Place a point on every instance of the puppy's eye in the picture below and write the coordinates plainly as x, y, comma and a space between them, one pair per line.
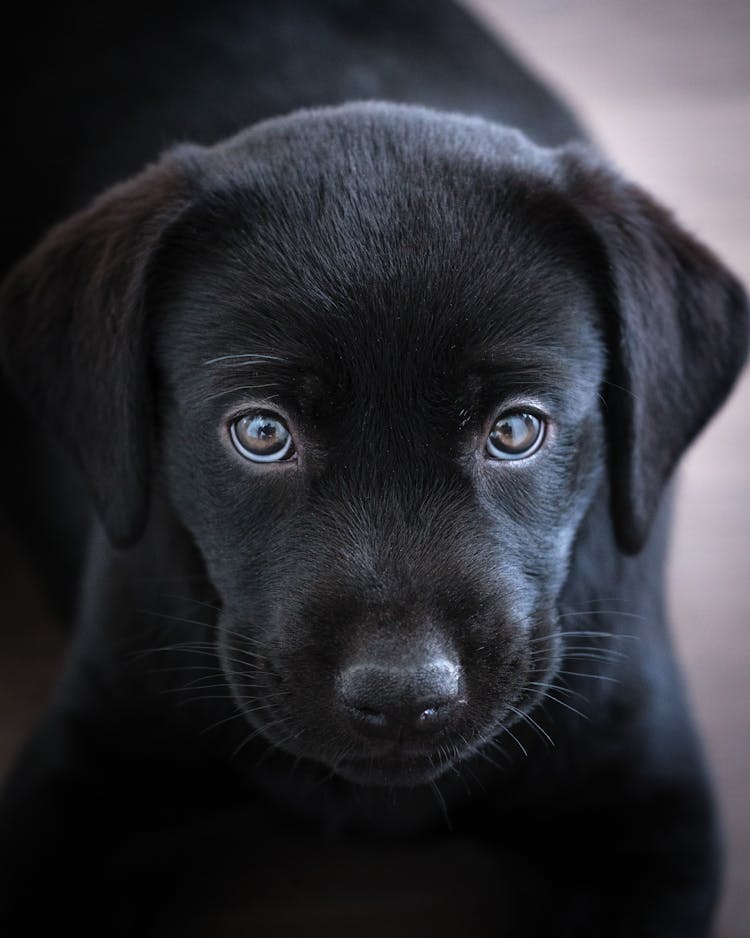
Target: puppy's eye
262, 437
515, 435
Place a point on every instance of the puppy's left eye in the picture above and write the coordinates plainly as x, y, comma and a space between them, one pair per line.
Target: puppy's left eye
262, 437
515, 435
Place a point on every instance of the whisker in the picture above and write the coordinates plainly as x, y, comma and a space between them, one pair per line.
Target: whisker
563, 690
205, 669
173, 618
589, 650
602, 612
488, 759
248, 357
234, 390
567, 706
595, 677
600, 659
196, 684
223, 630
208, 649
202, 697
213, 626
216, 606
443, 806
254, 735
227, 696
280, 744
494, 744
181, 647
599, 599
583, 633
529, 719
516, 740
454, 768
455, 760
225, 685
603, 655
472, 751
178, 578
213, 726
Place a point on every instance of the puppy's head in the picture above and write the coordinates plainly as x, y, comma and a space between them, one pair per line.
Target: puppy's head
365, 350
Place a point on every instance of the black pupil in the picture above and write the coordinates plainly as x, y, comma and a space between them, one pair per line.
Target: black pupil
515, 433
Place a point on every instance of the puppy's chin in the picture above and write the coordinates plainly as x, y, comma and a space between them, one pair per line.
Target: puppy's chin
392, 771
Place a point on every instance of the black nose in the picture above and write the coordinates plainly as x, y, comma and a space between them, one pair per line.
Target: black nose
392, 702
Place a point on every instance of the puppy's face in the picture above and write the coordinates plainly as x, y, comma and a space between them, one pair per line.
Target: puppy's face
380, 421
376, 339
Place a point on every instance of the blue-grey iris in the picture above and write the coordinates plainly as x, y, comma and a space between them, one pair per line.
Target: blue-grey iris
262, 437
515, 435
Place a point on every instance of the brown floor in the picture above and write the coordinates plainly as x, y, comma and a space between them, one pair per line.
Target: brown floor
665, 87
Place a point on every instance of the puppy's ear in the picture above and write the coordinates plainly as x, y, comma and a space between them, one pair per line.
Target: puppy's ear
678, 336
73, 341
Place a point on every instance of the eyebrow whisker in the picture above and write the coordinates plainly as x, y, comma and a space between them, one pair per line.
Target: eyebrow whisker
246, 356
244, 387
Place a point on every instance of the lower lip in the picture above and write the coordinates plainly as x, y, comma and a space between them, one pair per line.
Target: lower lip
403, 770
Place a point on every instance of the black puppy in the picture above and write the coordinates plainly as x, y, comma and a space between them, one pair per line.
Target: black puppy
376, 405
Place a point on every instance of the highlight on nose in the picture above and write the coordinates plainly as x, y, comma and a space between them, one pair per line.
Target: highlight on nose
388, 701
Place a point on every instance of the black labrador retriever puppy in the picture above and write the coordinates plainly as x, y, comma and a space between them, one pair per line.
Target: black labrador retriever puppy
377, 405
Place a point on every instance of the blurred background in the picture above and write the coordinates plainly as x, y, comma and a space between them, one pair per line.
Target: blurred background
664, 87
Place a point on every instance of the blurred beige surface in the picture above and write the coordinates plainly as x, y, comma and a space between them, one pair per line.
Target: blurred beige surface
664, 87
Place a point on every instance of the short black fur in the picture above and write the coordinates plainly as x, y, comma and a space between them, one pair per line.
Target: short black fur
393, 657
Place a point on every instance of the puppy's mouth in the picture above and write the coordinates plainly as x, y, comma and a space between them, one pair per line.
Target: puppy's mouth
405, 747
398, 769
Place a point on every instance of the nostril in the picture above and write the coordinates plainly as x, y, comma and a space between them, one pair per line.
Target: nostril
368, 715
429, 716
371, 722
435, 716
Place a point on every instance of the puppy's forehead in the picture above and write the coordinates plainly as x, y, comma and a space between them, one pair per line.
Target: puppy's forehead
362, 245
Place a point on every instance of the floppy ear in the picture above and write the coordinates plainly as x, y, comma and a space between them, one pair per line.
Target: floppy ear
678, 333
73, 343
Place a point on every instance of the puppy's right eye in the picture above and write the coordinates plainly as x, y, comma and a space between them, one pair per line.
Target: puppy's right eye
515, 435
262, 437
